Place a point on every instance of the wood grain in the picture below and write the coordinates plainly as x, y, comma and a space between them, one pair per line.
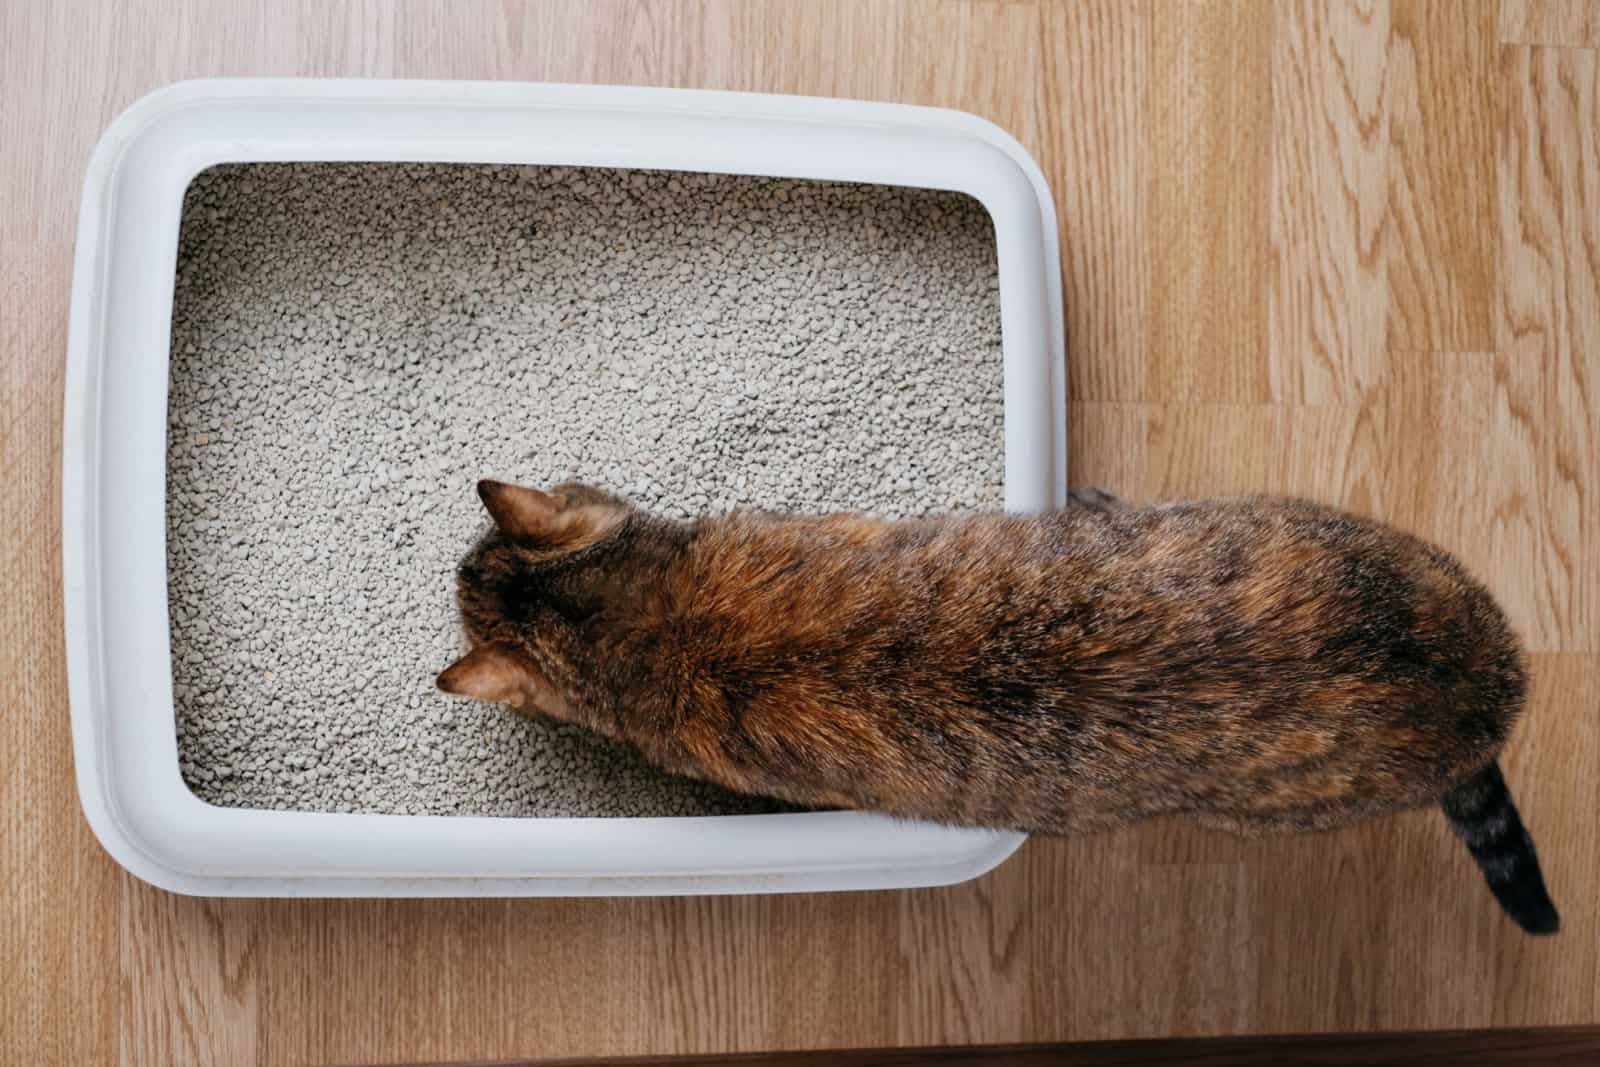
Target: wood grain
60, 973
1555, 759
1548, 339
1327, 217
1093, 67
1345, 250
1208, 127
1442, 64
1573, 23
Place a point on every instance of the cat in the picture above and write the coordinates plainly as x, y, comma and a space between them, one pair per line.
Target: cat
1254, 664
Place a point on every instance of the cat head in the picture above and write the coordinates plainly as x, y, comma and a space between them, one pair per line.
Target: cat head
533, 586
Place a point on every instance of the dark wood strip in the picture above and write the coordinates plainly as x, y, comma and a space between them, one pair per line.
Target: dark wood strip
1520, 1047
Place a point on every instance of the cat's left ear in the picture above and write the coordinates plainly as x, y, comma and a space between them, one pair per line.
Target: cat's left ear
520, 512
494, 671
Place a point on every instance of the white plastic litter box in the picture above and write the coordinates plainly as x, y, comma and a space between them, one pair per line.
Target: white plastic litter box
114, 471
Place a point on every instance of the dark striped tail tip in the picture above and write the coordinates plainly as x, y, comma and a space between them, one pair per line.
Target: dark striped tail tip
1482, 814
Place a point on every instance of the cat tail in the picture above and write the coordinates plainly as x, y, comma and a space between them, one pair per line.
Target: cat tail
1482, 815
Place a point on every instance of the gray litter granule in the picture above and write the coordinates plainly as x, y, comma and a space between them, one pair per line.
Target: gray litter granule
354, 345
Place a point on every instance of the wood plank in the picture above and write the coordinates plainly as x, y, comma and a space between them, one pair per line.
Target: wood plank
1440, 251
59, 892
1106, 448
1327, 207
1322, 453
1094, 70
1208, 121
1548, 339
965, 962
1552, 763
1570, 23
1437, 412
196, 996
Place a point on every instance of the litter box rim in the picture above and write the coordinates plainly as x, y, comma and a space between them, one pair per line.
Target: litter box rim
113, 495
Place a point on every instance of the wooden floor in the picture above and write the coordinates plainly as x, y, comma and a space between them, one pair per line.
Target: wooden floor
1350, 251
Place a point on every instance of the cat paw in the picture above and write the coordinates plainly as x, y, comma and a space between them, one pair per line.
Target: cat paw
1090, 497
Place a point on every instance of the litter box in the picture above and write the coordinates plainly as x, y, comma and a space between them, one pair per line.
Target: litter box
114, 472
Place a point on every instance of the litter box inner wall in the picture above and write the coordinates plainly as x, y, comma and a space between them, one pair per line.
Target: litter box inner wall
353, 345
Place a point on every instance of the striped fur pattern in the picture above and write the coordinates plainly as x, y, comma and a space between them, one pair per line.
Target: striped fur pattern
1253, 664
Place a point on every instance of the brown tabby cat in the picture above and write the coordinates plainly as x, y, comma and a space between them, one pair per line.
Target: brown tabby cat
1254, 664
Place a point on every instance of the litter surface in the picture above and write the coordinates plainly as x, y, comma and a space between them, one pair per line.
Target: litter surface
354, 345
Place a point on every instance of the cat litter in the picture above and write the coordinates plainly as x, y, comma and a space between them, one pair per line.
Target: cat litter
354, 345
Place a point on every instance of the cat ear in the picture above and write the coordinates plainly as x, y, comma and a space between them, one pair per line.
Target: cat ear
521, 513
492, 671
544, 520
